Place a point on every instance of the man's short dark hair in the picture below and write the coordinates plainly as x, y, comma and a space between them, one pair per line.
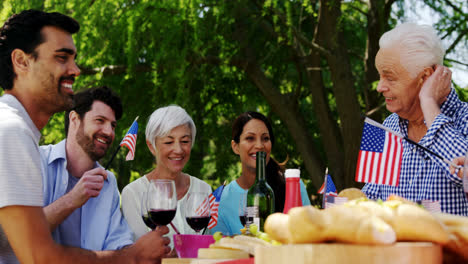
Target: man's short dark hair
83, 101
23, 31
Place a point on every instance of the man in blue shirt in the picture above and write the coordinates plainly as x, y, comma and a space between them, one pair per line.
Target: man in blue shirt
417, 91
82, 201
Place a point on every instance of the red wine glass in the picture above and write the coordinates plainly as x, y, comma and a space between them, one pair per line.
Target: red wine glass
145, 211
197, 210
161, 201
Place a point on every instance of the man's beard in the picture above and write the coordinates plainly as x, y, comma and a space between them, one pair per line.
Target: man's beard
87, 144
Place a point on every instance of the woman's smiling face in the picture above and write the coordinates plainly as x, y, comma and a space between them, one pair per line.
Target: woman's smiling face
173, 151
255, 137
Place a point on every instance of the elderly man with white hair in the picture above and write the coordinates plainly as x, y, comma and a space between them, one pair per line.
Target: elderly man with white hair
417, 91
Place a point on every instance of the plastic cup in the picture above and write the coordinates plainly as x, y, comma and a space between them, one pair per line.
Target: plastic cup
187, 245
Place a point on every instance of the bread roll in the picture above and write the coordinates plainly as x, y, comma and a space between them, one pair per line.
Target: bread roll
452, 220
307, 225
277, 227
352, 193
413, 223
355, 225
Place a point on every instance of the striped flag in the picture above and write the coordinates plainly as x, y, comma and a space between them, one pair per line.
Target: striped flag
214, 204
330, 187
380, 155
129, 140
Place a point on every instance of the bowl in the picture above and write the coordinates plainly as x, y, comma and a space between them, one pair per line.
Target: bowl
187, 245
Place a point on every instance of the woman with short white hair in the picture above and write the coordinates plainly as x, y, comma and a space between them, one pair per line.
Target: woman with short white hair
170, 135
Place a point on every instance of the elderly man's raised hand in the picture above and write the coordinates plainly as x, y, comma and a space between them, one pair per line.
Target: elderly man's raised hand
151, 247
89, 185
437, 86
434, 92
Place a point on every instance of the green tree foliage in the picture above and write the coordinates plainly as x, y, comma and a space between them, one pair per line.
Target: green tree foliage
307, 65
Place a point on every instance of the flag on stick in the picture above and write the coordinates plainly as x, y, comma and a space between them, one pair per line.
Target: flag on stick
129, 141
214, 199
330, 188
380, 155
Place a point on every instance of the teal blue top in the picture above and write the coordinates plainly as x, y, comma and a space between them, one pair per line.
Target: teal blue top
228, 213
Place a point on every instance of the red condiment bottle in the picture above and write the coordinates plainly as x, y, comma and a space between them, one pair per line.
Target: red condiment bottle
293, 190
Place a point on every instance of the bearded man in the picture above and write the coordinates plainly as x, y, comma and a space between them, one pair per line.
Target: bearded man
82, 203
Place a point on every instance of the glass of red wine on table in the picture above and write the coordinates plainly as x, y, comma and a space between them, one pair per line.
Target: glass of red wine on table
161, 202
197, 210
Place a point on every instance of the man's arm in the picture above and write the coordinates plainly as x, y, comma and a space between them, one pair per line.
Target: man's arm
89, 185
29, 236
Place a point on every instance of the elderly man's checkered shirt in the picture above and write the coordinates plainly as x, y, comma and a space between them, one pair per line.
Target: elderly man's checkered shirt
426, 177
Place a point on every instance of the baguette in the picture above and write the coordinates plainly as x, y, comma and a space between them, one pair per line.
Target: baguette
277, 227
307, 225
356, 225
413, 223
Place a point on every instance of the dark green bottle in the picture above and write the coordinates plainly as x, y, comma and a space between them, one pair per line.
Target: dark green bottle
260, 197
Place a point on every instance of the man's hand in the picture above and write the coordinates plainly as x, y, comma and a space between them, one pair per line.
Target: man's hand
434, 92
89, 185
151, 247
458, 161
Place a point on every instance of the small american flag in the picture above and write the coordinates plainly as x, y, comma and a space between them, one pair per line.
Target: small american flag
129, 140
330, 187
214, 204
380, 155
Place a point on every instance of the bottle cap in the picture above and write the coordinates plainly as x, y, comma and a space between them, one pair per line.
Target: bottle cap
293, 173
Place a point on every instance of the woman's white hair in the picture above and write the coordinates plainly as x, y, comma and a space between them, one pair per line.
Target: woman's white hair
164, 119
420, 47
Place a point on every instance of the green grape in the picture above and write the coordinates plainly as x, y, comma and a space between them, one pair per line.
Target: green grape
275, 243
217, 236
253, 229
264, 236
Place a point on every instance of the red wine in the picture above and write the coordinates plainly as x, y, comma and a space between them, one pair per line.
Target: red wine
198, 222
161, 217
148, 222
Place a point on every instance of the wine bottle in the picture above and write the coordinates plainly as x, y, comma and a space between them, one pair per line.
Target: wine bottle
260, 197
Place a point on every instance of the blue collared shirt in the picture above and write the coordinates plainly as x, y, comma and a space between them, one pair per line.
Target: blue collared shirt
102, 225
424, 176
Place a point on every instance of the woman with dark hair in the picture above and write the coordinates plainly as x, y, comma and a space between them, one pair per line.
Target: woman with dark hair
251, 132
